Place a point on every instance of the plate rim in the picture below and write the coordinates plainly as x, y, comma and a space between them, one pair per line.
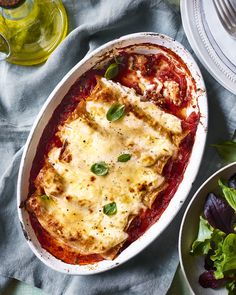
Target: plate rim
202, 55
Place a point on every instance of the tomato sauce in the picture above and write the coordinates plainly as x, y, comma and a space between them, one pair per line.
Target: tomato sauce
64, 253
173, 171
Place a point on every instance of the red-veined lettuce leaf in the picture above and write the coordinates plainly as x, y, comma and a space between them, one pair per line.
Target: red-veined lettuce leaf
208, 280
218, 213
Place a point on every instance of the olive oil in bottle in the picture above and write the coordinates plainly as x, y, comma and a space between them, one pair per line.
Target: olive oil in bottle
32, 29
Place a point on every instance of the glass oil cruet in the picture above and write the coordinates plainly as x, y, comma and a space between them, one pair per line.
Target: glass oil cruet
31, 29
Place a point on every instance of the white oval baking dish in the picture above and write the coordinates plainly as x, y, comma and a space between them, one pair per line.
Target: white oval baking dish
45, 114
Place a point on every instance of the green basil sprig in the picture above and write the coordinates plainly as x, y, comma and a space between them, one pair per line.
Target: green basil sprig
112, 71
45, 198
124, 158
115, 112
110, 209
100, 168
227, 149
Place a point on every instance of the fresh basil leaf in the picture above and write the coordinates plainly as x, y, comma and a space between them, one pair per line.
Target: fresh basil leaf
218, 213
45, 198
227, 149
115, 112
124, 158
232, 181
229, 194
100, 168
110, 209
202, 244
112, 71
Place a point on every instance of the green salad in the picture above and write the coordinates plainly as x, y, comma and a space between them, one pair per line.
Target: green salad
216, 238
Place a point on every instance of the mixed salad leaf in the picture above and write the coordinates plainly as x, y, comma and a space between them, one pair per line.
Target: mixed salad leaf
216, 238
229, 194
218, 213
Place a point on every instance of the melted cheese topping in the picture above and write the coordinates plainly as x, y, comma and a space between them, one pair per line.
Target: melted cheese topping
171, 90
146, 85
149, 110
74, 212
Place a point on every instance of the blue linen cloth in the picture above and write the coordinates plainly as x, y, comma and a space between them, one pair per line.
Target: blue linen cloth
23, 91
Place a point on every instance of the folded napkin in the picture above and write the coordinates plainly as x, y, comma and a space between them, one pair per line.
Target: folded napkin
23, 90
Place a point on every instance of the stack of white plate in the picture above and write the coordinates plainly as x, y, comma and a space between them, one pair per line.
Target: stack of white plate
215, 48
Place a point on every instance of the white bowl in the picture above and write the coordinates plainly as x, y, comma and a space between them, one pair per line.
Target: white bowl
193, 266
45, 114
